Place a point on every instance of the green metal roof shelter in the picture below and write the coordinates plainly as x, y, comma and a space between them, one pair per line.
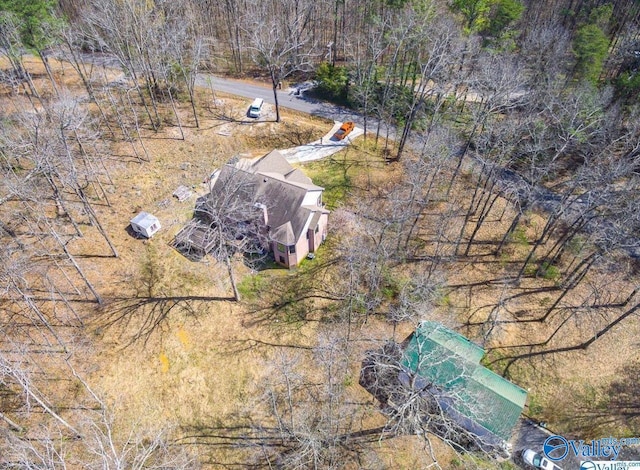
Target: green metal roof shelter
480, 400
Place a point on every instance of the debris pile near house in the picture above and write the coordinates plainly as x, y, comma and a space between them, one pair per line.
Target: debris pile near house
182, 193
194, 240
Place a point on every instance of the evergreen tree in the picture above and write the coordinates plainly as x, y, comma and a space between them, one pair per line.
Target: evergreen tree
590, 48
37, 18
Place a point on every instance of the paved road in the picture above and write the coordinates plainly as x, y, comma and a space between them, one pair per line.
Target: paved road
286, 98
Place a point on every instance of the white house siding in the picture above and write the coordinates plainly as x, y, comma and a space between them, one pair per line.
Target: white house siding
312, 198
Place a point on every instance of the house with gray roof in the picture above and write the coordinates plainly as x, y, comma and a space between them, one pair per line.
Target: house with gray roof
295, 220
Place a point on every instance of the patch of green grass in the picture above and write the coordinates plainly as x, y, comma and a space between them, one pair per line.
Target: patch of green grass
548, 271
519, 236
535, 407
290, 311
371, 151
443, 300
492, 359
531, 269
545, 301
508, 465
391, 285
504, 258
389, 291
250, 287
262, 263
576, 244
307, 264
333, 176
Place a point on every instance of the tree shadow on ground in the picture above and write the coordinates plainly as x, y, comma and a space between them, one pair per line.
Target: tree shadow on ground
615, 407
262, 443
139, 318
289, 300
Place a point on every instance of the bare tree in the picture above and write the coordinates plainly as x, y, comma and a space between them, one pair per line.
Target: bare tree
153, 43
101, 444
228, 221
311, 422
436, 43
414, 404
280, 44
367, 48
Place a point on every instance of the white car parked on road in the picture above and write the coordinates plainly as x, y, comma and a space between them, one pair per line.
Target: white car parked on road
538, 461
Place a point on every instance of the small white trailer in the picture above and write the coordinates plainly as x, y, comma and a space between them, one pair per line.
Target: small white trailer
145, 224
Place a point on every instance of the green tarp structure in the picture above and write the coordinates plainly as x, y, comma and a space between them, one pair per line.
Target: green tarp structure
485, 403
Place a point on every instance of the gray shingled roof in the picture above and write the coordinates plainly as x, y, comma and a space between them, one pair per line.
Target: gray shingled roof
284, 234
314, 221
272, 181
272, 162
298, 176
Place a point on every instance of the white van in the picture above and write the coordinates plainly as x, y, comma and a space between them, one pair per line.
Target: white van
256, 108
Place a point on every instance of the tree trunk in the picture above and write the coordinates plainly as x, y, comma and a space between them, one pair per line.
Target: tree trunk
275, 95
232, 278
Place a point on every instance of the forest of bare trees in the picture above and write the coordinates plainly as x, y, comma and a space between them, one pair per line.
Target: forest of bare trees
510, 135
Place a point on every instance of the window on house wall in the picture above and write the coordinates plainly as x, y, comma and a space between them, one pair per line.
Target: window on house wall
292, 249
317, 229
281, 248
282, 259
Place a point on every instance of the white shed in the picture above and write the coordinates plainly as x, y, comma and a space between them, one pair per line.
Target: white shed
145, 224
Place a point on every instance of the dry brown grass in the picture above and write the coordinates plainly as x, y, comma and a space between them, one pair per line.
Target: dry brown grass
196, 367
201, 366
190, 371
561, 385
